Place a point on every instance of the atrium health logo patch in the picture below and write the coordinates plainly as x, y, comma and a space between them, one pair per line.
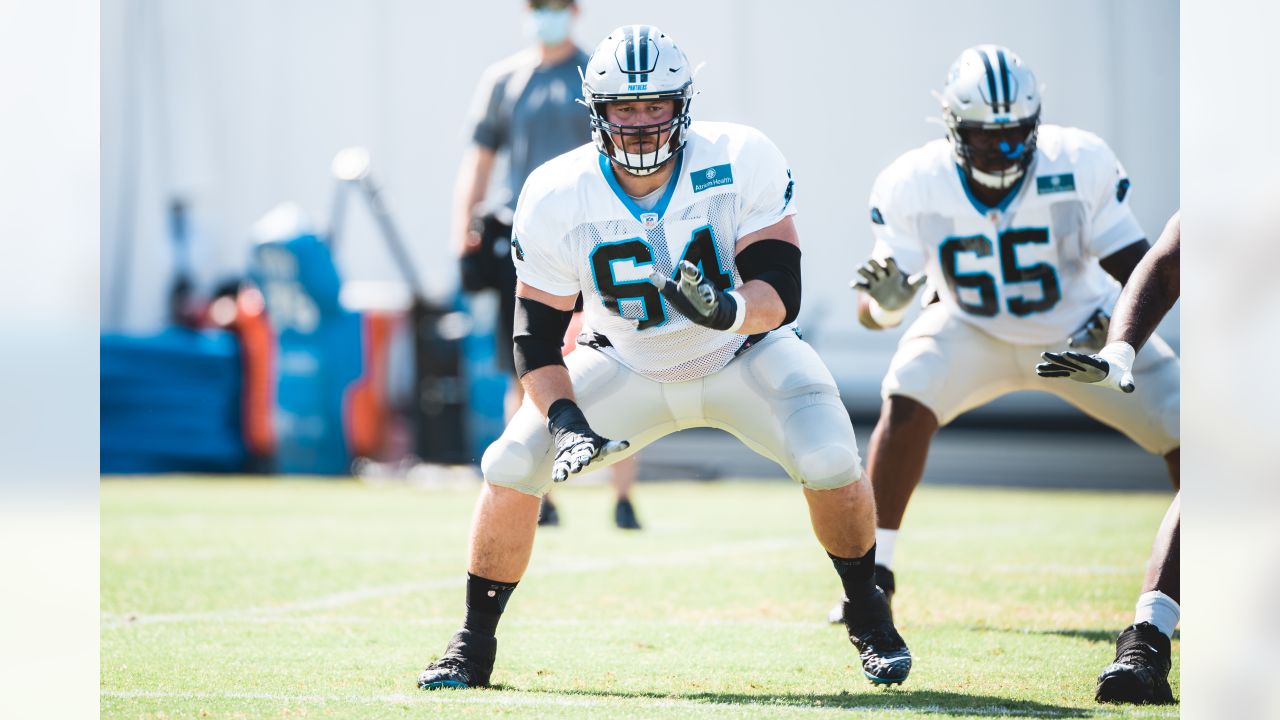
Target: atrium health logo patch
1066, 182
711, 177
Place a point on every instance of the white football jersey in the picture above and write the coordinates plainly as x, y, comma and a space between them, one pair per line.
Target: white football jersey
577, 231
1025, 272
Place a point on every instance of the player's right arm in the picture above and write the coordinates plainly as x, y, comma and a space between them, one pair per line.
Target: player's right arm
886, 292
888, 280
541, 319
544, 380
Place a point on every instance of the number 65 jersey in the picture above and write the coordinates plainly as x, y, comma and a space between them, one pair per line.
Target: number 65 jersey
1027, 271
577, 231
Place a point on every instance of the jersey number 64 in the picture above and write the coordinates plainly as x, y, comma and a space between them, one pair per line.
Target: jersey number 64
700, 251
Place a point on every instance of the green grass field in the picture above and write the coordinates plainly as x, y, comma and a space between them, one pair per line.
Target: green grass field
286, 598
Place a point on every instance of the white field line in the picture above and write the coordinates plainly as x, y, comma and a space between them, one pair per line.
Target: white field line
676, 558
1026, 569
550, 700
351, 597
259, 619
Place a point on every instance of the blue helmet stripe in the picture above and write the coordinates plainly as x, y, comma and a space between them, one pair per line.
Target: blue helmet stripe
1004, 81
644, 53
991, 80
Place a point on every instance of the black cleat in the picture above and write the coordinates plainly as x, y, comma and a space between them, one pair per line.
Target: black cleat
885, 657
1140, 672
624, 515
884, 579
547, 515
466, 663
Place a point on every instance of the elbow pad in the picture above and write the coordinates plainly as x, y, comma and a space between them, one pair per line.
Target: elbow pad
538, 333
778, 263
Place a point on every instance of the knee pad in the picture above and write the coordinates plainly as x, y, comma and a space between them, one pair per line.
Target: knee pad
510, 464
828, 467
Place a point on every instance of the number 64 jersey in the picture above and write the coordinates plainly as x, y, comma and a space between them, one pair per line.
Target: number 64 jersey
1025, 272
577, 231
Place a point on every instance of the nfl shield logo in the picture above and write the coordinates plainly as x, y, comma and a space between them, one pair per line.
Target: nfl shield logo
649, 220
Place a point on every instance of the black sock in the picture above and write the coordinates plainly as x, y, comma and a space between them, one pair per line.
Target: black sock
857, 575
486, 599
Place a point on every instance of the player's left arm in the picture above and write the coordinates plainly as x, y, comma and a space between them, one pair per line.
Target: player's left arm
766, 253
768, 260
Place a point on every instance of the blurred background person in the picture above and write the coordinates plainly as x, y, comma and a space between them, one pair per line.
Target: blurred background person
525, 112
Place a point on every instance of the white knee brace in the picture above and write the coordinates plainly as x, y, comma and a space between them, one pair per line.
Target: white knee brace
510, 464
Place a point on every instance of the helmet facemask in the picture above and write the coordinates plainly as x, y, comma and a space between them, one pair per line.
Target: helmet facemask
607, 134
1019, 154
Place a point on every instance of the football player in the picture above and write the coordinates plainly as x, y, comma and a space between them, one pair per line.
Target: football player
1025, 231
680, 237
1140, 672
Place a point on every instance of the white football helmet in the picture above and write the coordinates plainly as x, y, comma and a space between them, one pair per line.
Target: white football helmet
988, 88
637, 62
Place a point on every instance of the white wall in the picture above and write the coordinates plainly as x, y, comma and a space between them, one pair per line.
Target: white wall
240, 104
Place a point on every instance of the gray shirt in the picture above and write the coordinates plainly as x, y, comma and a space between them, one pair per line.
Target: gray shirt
528, 114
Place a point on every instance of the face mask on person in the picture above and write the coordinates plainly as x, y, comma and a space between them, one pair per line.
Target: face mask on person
550, 26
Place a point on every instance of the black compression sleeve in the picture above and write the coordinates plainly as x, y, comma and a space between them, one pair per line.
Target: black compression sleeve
776, 262
538, 334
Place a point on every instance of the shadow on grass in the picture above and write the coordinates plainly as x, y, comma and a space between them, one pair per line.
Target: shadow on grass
1095, 636
933, 702
1107, 637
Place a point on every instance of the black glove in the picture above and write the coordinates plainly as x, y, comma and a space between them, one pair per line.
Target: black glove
696, 298
576, 443
1114, 373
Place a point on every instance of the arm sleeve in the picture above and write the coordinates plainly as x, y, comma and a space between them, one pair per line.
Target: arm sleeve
488, 116
891, 226
768, 193
540, 243
1112, 224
